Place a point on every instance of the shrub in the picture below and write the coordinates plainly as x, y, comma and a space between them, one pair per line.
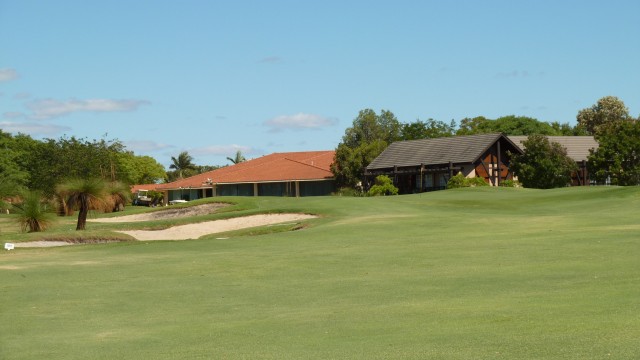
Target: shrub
33, 214
382, 186
509, 183
460, 181
457, 181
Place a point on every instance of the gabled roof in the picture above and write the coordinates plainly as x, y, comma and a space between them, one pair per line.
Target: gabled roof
457, 149
277, 167
577, 146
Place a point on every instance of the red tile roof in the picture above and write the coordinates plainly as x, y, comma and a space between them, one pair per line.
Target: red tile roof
277, 167
135, 188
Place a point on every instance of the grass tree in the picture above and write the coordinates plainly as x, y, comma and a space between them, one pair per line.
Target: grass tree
118, 195
33, 214
85, 195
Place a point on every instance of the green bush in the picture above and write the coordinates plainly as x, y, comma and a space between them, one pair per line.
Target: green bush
509, 183
460, 181
383, 186
457, 181
33, 213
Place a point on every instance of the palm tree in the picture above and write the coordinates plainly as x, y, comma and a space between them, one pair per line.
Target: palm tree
238, 159
182, 163
84, 194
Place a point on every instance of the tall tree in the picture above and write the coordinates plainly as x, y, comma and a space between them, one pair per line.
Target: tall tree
617, 158
238, 158
429, 129
85, 195
182, 163
139, 169
607, 110
508, 125
369, 135
544, 164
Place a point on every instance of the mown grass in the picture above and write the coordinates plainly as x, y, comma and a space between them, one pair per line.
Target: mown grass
457, 274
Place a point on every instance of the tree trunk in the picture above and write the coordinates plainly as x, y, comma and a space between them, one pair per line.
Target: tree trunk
82, 214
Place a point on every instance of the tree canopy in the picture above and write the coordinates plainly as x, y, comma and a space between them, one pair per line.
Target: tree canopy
606, 111
544, 164
510, 125
617, 158
369, 135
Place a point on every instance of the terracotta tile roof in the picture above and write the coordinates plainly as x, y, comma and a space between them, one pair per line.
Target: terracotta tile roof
135, 188
308, 165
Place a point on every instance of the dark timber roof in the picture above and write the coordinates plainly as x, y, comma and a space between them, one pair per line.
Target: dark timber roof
577, 146
457, 149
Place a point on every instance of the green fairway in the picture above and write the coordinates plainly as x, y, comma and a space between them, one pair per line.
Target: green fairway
480, 273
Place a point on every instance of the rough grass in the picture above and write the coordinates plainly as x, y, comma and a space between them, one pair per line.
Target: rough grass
456, 274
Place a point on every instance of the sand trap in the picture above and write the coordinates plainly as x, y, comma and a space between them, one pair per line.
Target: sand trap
166, 213
194, 231
32, 244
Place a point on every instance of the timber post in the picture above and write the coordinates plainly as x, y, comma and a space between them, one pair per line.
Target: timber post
499, 164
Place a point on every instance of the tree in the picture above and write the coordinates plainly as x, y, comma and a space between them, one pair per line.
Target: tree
238, 158
85, 195
182, 163
382, 186
33, 215
618, 155
543, 164
508, 125
607, 110
429, 129
369, 135
139, 169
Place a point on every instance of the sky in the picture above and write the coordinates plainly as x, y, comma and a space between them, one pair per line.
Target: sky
214, 77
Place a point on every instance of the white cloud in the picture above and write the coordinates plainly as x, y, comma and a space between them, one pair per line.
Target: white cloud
13, 115
299, 121
226, 150
34, 129
51, 108
7, 74
145, 146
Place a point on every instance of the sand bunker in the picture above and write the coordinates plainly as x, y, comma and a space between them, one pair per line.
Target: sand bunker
166, 213
194, 231
189, 231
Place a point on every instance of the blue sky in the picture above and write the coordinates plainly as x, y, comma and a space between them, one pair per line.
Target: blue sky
213, 77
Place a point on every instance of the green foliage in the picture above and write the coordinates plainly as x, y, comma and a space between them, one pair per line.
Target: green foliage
139, 169
618, 156
157, 197
427, 130
460, 181
509, 183
238, 158
85, 195
51, 161
183, 165
607, 110
33, 212
511, 125
543, 165
382, 186
364, 141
